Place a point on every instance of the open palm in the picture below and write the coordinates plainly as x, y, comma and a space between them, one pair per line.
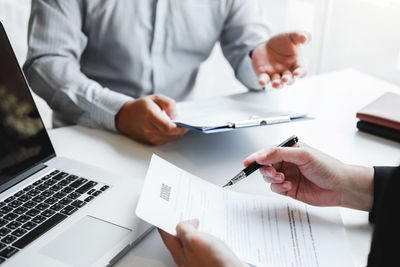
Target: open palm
280, 59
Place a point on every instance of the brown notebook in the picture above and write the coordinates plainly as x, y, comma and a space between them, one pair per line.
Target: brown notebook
384, 111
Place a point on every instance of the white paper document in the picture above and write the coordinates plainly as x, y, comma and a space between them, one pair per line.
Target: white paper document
262, 231
224, 113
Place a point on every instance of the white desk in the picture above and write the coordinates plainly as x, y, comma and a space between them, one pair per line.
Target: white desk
332, 98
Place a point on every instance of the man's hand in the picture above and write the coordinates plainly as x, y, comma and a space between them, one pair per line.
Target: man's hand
313, 177
280, 59
191, 248
143, 120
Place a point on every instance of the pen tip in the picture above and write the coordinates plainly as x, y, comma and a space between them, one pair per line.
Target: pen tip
228, 184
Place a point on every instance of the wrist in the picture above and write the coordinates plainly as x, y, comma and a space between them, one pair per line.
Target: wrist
120, 116
357, 190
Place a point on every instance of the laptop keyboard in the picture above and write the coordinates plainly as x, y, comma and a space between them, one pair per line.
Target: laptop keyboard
38, 207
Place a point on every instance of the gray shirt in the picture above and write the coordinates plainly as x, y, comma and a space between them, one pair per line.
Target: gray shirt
87, 58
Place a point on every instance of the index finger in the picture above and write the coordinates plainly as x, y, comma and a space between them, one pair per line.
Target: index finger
174, 246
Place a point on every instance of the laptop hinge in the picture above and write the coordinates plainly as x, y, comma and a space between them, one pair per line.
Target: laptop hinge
22, 176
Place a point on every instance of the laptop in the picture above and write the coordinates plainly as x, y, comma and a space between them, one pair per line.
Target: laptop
55, 211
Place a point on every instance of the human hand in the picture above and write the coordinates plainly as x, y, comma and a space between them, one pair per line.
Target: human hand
313, 177
143, 120
280, 59
191, 248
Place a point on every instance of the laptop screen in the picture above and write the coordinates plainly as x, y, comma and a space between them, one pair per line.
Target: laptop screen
23, 139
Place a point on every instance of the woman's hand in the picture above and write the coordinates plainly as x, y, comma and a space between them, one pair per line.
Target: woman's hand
313, 177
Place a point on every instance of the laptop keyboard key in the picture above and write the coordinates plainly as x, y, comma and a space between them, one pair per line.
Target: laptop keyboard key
30, 204
3, 222
54, 172
66, 201
47, 193
5, 209
8, 239
51, 200
48, 213
68, 189
42, 206
39, 198
13, 225
42, 187
59, 195
10, 216
29, 225
39, 219
68, 210
19, 193
33, 212
74, 195
78, 203
8, 252
9, 199
20, 210
23, 218
60, 176
4, 231
15, 203
78, 182
37, 232
19, 232
84, 188
57, 207
24, 198
104, 188
33, 192
89, 198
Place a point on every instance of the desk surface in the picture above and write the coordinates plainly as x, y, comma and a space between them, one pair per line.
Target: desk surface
332, 99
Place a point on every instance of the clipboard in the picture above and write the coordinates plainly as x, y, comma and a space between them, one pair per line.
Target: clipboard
223, 114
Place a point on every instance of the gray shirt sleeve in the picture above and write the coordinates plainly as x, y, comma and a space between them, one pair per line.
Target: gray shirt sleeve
56, 43
244, 30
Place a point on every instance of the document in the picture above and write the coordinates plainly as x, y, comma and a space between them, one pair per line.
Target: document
224, 114
262, 231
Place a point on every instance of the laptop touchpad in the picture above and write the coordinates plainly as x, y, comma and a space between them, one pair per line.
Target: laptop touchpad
85, 242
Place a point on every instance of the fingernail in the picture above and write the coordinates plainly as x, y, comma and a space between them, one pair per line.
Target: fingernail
286, 187
277, 178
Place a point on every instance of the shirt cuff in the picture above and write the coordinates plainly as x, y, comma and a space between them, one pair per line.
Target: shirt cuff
247, 75
108, 104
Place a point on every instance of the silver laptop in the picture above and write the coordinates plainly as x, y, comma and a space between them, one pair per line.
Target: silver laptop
55, 211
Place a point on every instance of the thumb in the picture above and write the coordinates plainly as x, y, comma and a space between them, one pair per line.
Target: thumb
185, 230
165, 103
299, 37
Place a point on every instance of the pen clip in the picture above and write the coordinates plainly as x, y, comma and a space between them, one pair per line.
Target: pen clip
259, 121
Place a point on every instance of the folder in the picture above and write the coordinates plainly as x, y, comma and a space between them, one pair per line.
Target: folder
224, 114
381, 117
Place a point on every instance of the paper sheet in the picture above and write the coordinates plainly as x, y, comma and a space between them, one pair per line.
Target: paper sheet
262, 231
220, 111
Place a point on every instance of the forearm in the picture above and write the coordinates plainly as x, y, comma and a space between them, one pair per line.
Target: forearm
244, 30
357, 189
70, 93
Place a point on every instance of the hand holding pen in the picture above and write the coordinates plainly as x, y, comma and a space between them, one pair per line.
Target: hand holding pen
255, 166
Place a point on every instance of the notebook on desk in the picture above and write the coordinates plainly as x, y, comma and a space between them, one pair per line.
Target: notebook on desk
225, 114
381, 117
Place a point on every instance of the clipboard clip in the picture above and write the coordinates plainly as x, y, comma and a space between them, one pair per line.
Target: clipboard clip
259, 121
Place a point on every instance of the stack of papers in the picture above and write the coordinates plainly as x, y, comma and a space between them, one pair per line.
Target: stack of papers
262, 231
224, 114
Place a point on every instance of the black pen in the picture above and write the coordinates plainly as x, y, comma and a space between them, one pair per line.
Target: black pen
255, 166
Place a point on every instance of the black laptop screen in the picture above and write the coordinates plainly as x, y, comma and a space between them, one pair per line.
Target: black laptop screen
23, 139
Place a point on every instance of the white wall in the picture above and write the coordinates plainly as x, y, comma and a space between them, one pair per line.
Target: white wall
364, 34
